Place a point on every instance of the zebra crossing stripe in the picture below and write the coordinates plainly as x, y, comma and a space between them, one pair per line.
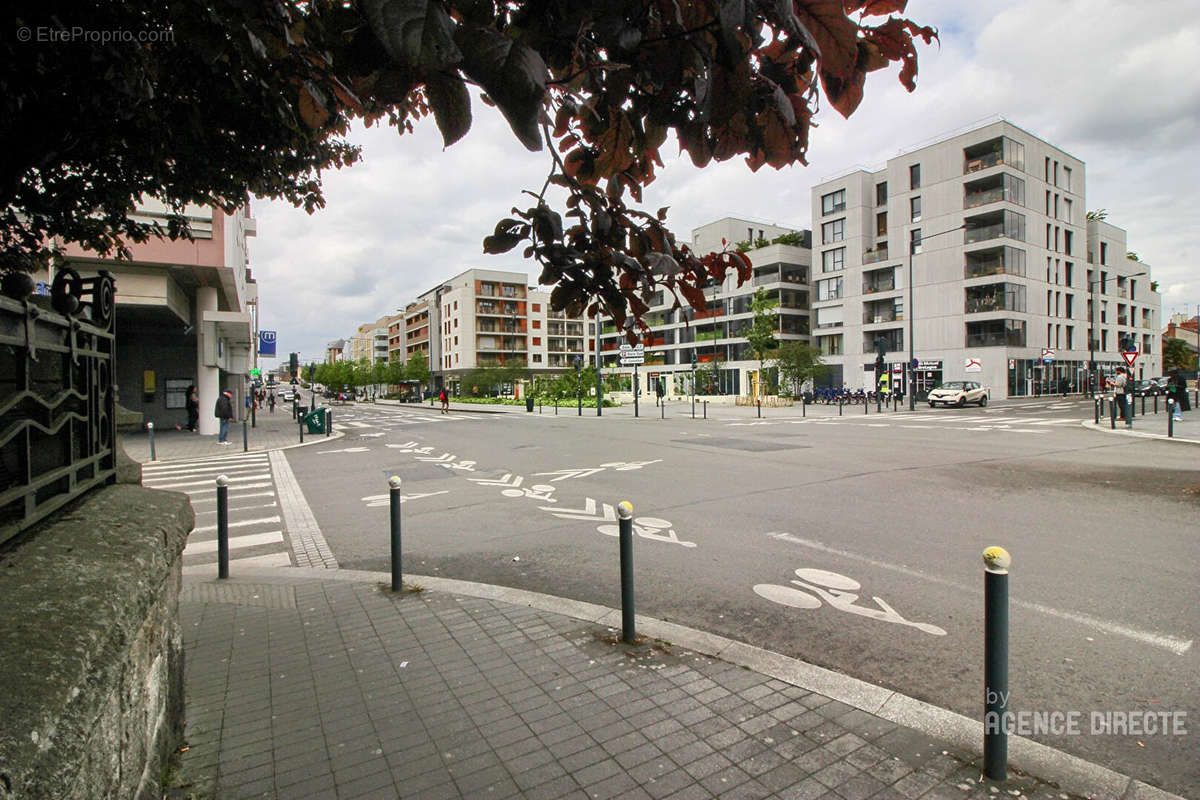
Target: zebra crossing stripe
241, 496
202, 462
232, 480
213, 489
166, 473
235, 542
240, 524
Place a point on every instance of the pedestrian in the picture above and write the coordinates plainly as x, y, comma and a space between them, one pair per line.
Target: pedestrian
1119, 383
193, 408
445, 401
271, 402
224, 412
1177, 390
659, 391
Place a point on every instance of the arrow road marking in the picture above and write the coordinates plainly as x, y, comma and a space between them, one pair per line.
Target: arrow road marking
568, 474
376, 500
588, 512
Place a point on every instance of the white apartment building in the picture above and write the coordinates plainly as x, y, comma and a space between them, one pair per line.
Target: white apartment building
714, 335
1006, 269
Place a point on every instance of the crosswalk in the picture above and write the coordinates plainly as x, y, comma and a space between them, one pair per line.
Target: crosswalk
359, 422
985, 420
256, 536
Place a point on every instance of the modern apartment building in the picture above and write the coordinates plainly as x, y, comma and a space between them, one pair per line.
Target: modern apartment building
184, 313
782, 260
370, 341
974, 256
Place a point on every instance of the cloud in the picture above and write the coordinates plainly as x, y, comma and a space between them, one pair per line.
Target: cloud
1110, 82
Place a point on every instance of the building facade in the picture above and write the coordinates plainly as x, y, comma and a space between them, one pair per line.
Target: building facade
782, 260
183, 314
975, 257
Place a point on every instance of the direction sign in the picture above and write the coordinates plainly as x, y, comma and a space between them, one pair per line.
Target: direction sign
631, 358
625, 347
1130, 356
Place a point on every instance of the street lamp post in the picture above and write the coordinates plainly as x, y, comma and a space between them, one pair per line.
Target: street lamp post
599, 385
693, 383
579, 384
912, 291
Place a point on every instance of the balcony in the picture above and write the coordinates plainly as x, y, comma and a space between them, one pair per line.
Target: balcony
1000, 150
882, 285
871, 317
983, 197
996, 333
982, 161
874, 254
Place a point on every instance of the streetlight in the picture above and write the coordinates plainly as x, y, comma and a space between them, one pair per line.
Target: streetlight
579, 384
912, 290
1095, 371
693, 383
599, 387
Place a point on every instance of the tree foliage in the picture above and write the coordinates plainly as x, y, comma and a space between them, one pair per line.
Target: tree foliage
760, 333
798, 363
1177, 355
256, 98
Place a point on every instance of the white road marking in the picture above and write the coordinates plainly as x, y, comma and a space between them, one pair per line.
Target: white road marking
345, 450
213, 489
1172, 643
170, 472
232, 496
239, 508
235, 542
239, 524
232, 480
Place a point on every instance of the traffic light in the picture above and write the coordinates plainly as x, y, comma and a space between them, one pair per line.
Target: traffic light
294, 364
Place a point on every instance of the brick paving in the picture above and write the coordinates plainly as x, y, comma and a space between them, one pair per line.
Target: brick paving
341, 689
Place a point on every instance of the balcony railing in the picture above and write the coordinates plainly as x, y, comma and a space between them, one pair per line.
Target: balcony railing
982, 233
977, 163
1005, 339
982, 198
873, 317
1122, 292
878, 286
980, 305
837, 324
874, 254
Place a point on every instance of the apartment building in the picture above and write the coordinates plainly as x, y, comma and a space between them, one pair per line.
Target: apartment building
370, 341
782, 260
184, 313
974, 257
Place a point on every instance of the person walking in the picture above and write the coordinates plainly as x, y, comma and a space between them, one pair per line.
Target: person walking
193, 408
224, 412
271, 402
1177, 391
1119, 384
445, 400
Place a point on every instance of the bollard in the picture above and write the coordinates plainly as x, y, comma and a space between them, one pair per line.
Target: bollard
301, 431
1143, 405
556, 406
996, 561
895, 402
803, 406
150, 428
706, 409
1170, 419
625, 525
866, 405
1155, 404
222, 526
1112, 413
245, 437
760, 409
254, 414
662, 410
328, 421
395, 501
1096, 403
839, 405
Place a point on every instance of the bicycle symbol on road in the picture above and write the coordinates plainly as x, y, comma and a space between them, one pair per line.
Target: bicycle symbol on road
840, 592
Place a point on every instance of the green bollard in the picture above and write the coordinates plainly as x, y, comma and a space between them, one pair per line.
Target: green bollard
625, 527
996, 562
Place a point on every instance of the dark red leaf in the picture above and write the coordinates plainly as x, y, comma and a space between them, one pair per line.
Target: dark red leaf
451, 106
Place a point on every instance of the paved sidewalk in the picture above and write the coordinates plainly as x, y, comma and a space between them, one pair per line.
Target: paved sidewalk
323, 684
1149, 425
270, 432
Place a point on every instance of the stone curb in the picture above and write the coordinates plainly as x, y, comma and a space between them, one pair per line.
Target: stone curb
1072, 773
1122, 431
320, 439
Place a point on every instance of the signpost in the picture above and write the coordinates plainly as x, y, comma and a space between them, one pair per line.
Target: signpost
633, 355
973, 365
1130, 356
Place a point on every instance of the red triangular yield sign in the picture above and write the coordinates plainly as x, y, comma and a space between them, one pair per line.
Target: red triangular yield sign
1130, 356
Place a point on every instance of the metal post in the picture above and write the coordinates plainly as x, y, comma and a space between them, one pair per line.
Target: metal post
301, 430
254, 412
1155, 404
693, 387
395, 500
150, 428
245, 437
556, 405
222, 526
1143, 405
625, 526
599, 384
1096, 403
706, 409
328, 421
635, 390
839, 405
803, 406
1170, 419
1113, 413
759, 403
866, 406
995, 662
662, 410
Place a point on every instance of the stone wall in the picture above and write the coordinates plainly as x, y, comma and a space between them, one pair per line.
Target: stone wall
91, 654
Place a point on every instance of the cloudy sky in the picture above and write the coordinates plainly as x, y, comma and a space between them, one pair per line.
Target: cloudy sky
1114, 83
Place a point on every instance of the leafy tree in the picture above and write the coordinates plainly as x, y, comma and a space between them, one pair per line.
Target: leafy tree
256, 98
1099, 214
799, 363
1177, 355
394, 372
709, 375
760, 333
418, 368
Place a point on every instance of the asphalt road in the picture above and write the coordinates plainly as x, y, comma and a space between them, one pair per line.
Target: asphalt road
766, 531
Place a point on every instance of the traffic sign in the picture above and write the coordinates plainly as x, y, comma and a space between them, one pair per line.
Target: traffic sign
625, 347
1130, 356
629, 359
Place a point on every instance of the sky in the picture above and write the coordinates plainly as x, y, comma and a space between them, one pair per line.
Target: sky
1116, 84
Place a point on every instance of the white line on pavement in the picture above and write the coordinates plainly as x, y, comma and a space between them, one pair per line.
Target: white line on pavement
1173, 643
232, 480
235, 542
213, 489
239, 524
232, 496
173, 471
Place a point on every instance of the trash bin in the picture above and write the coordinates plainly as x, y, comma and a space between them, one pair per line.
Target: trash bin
315, 421
529, 402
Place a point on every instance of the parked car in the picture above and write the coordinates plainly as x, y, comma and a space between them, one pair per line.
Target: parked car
1148, 388
959, 393
286, 395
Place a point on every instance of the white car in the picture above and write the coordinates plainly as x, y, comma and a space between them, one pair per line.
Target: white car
286, 395
959, 393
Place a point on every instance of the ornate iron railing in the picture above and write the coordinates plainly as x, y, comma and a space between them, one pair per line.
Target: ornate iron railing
57, 398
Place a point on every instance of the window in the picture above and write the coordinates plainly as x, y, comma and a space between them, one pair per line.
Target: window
456, 322
834, 231
833, 202
1104, 252
537, 340
1070, 274
830, 345
456, 341
456, 305
537, 358
914, 205
829, 317
1067, 186
881, 193
914, 241
1047, 169
537, 323
1069, 242
881, 224
1070, 337
833, 260
537, 306
914, 176
456, 358
1070, 307
1068, 215
829, 289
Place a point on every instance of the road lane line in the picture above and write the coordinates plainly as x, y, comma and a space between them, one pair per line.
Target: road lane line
241, 524
235, 542
232, 479
1175, 644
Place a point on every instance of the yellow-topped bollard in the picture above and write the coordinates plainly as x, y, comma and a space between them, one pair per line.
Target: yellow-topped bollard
625, 530
996, 561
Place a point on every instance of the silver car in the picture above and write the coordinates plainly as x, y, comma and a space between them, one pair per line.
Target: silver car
959, 393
